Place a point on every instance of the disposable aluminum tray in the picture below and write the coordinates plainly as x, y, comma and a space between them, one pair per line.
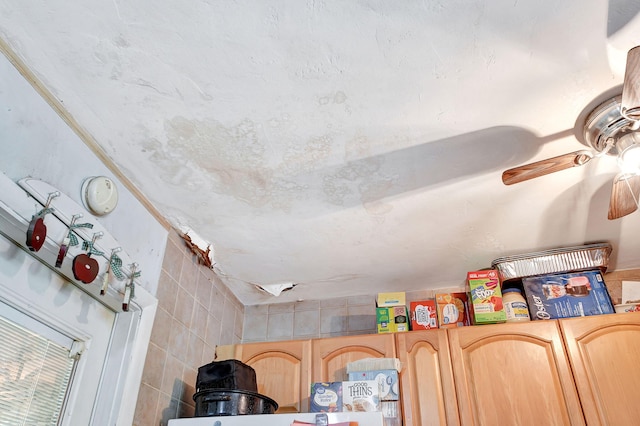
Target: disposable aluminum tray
566, 259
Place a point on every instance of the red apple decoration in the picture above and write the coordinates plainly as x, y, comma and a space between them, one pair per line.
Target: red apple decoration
85, 268
36, 234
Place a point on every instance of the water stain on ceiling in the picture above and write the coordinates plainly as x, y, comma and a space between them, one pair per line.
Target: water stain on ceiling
344, 148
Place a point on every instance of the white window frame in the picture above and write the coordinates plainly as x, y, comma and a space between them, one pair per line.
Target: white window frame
130, 334
117, 395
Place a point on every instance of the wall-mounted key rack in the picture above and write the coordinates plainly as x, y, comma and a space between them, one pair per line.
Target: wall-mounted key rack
75, 244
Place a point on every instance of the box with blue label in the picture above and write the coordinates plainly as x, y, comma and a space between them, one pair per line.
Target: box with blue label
573, 294
326, 397
387, 380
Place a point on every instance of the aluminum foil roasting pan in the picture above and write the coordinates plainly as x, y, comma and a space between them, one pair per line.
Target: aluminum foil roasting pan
565, 259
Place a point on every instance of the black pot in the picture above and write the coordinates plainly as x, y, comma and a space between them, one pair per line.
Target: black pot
232, 402
227, 374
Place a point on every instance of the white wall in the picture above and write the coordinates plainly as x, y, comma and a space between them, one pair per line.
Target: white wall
36, 142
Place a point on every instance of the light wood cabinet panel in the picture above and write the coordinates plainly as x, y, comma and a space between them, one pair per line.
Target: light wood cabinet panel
331, 356
604, 352
283, 371
428, 393
513, 374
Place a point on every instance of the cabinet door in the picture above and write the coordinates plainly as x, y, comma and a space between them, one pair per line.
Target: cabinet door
513, 374
428, 393
330, 356
282, 371
604, 352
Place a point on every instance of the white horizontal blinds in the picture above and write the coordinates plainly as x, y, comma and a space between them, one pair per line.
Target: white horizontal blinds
34, 376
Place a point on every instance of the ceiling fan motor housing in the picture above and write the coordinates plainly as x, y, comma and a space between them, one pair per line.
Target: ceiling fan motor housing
606, 125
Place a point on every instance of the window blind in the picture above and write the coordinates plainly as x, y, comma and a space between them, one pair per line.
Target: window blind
35, 372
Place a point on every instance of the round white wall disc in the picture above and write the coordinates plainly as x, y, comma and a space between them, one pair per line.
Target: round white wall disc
99, 195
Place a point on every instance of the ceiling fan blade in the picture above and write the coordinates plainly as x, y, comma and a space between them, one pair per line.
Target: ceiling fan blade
624, 195
630, 102
545, 167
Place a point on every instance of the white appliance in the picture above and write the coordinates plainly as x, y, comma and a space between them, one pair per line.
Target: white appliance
363, 419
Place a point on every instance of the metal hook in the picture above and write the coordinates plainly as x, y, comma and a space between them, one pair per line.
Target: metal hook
96, 236
74, 218
115, 250
51, 196
129, 289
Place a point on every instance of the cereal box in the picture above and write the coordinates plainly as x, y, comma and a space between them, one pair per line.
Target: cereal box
360, 395
486, 297
423, 315
326, 397
452, 310
567, 295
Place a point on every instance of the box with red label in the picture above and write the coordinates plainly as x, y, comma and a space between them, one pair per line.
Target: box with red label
452, 310
485, 306
423, 315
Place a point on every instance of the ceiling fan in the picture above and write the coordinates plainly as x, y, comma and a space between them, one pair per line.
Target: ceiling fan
612, 128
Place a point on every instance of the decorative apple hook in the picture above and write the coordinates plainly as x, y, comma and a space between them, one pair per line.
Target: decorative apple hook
129, 289
85, 268
113, 268
70, 239
37, 232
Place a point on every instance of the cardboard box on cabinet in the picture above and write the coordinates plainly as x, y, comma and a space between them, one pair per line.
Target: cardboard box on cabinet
567, 295
423, 315
392, 319
485, 306
453, 310
391, 299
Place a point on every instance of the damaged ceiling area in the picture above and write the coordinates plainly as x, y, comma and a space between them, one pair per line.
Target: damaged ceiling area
320, 149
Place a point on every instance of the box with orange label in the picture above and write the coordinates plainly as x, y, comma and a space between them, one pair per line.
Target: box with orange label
423, 315
452, 310
485, 306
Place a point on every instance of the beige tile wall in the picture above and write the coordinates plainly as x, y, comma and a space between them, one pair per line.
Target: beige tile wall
318, 319
195, 313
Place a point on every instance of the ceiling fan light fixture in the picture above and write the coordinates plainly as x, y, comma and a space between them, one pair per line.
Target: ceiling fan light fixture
611, 128
629, 158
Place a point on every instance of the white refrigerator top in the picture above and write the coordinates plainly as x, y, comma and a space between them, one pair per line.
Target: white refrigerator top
363, 419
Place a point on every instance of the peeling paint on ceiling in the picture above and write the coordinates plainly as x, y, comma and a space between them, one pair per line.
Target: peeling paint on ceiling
347, 147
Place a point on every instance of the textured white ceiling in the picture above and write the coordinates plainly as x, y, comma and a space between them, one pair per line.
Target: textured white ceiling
347, 147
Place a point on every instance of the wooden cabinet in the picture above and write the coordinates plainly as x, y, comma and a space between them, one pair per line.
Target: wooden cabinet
561, 372
427, 389
604, 352
513, 374
283, 371
331, 356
